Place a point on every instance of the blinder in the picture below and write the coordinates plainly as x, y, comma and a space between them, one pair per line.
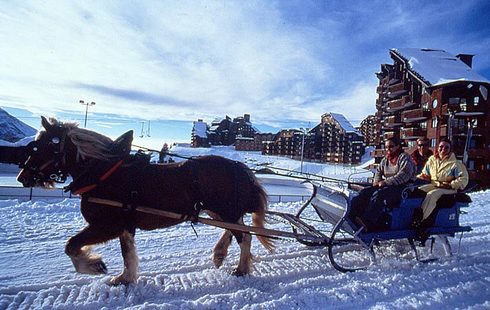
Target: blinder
50, 148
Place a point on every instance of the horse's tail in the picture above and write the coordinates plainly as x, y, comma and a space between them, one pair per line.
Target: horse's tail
258, 218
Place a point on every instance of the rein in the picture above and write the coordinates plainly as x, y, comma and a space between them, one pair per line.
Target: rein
322, 178
260, 231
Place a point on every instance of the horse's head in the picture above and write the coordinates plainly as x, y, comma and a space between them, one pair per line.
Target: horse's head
62, 149
45, 163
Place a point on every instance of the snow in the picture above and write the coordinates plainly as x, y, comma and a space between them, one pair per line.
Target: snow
200, 129
438, 67
176, 271
344, 123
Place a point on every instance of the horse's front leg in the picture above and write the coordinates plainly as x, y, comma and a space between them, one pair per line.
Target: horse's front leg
78, 248
130, 257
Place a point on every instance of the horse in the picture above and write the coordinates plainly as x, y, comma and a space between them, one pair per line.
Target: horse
102, 168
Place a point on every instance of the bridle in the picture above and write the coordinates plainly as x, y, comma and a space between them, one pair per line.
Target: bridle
52, 169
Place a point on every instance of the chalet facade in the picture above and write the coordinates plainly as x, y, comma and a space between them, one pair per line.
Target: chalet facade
340, 141
368, 129
222, 131
199, 135
286, 142
333, 140
431, 93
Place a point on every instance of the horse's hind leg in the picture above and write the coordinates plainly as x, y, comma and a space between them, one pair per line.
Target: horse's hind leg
78, 249
245, 243
130, 257
220, 250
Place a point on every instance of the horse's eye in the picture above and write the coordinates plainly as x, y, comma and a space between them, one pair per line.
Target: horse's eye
55, 140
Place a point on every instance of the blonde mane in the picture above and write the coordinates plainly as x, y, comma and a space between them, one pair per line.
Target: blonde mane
89, 144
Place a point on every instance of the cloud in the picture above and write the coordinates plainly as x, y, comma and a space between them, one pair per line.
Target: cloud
277, 60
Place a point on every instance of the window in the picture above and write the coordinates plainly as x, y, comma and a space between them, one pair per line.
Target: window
423, 125
434, 122
454, 100
462, 104
476, 100
425, 106
411, 144
433, 142
471, 165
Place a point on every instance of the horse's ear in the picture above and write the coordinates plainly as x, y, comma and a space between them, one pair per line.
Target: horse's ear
45, 123
122, 145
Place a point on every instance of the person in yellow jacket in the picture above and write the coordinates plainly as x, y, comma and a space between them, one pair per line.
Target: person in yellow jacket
446, 174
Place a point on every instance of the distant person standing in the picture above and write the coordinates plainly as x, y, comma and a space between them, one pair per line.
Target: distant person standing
421, 154
163, 153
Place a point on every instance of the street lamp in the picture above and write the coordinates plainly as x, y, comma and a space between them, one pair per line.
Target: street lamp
303, 132
86, 110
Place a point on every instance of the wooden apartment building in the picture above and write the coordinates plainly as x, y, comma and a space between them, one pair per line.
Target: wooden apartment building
222, 131
368, 130
333, 140
431, 93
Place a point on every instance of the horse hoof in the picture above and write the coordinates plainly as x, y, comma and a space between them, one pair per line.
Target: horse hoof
116, 281
218, 260
101, 267
238, 273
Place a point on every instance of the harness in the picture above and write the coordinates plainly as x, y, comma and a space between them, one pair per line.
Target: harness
79, 186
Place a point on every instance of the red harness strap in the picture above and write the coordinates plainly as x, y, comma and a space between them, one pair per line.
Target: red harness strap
90, 187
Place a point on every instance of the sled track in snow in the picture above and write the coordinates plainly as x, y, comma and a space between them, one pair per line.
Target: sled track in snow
188, 282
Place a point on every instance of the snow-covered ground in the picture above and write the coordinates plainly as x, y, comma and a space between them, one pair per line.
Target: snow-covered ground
176, 271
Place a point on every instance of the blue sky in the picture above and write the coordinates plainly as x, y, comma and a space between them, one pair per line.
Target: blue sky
172, 62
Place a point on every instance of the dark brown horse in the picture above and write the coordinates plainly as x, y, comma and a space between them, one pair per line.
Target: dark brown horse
103, 168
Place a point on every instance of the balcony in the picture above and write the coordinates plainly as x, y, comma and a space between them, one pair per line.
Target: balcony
392, 121
378, 153
395, 105
379, 89
413, 133
415, 115
388, 134
398, 104
396, 87
396, 94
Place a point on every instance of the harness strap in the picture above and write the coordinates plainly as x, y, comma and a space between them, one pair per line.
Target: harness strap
106, 175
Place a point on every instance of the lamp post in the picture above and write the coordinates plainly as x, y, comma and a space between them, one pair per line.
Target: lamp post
86, 110
303, 132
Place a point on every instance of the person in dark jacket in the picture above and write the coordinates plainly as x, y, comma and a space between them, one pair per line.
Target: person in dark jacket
394, 172
421, 154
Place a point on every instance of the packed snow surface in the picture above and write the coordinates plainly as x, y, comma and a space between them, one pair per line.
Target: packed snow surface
176, 271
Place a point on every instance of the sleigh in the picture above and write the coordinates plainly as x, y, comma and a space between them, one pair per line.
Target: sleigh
351, 248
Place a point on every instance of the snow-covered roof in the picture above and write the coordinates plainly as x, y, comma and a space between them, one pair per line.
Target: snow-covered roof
437, 67
344, 123
200, 129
